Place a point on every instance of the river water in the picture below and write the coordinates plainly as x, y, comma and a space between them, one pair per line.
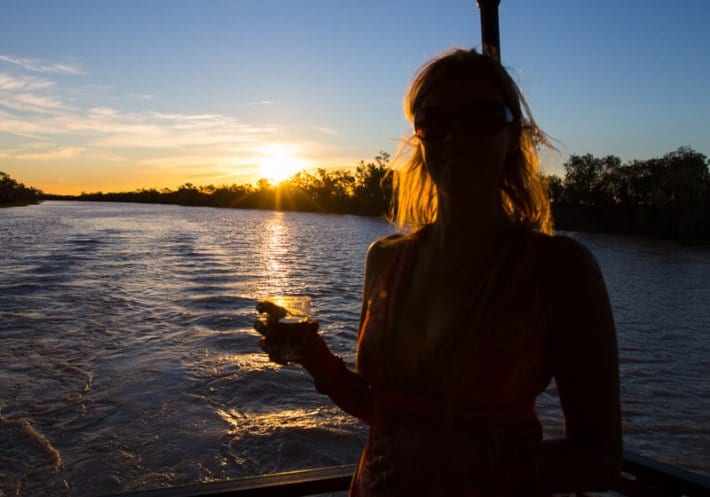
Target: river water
128, 360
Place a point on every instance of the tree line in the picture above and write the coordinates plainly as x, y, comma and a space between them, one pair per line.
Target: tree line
14, 193
666, 197
366, 191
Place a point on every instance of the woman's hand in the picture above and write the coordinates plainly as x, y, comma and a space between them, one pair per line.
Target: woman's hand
286, 342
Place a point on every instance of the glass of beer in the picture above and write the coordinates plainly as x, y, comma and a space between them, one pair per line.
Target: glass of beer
286, 316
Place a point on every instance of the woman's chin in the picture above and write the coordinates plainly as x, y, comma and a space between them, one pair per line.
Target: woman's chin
464, 190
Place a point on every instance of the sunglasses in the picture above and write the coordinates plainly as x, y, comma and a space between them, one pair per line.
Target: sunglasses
485, 118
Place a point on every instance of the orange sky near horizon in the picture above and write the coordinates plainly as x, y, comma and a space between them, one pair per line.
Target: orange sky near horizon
68, 176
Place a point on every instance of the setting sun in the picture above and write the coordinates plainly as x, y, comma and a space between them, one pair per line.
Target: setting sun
279, 164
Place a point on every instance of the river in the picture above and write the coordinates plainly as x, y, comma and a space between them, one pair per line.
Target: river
128, 360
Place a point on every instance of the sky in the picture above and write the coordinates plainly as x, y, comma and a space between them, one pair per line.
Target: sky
102, 95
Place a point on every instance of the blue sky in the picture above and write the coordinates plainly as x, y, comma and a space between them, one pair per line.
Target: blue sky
109, 95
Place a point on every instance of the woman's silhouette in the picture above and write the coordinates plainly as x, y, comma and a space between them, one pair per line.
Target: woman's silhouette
472, 310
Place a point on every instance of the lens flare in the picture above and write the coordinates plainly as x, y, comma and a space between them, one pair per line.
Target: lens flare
278, 163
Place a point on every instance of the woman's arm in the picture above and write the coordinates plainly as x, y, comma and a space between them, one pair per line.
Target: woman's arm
344, 386
583, 355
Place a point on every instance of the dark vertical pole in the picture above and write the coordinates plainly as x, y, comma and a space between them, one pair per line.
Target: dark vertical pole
490, 35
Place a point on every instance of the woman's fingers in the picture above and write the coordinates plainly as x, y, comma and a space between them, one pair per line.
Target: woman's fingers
276, 312
278, 359
286, 342
312, 326
261, 327
272, 352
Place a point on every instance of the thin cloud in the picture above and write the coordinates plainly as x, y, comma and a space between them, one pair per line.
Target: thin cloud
186, 117
102, 111
184, 162
262, 102
22, 127
31, 102
109, 128
38, 145
142, 96
13, 83
105, 157
327, 131
60, 153
36, 66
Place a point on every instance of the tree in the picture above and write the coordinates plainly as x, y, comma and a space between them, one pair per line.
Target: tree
12, 192
588, 179
554, 186
373, 185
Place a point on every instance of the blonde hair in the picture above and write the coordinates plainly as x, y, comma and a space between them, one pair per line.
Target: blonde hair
523, 196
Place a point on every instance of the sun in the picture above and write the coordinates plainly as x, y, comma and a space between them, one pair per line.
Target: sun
278, 164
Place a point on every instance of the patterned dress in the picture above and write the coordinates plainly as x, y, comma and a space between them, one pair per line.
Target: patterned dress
455, 415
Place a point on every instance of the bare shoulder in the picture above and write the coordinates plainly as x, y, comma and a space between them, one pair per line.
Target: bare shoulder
378, 254
569, 249
566, 261
381, 251
574, 293
572, 286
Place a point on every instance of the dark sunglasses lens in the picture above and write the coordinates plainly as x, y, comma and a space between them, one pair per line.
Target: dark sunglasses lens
488, 118
431, 129
485, 125
481, 119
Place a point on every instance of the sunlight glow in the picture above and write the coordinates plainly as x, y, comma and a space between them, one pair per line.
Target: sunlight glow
242, 424
279, 163
276, 254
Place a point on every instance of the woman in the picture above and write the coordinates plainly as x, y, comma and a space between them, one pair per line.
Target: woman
467, 317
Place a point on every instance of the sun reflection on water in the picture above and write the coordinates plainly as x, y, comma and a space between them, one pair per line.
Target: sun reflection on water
275, 254
240, 423
245, 363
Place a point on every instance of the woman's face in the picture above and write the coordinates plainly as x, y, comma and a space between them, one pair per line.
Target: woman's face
465, 134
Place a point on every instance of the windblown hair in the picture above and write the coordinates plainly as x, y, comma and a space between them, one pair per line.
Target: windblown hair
522, 194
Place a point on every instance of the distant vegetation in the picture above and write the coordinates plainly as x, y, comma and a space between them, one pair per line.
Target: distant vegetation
14, 193
666, 197
366, 192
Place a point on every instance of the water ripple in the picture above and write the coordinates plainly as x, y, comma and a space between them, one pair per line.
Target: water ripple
128, 353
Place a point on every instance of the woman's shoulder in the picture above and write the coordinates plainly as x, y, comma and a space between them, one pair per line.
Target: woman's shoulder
565, 263
561, 250
387, 243
383, 249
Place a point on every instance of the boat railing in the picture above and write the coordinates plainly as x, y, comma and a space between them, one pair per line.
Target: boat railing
641, 477
646, 477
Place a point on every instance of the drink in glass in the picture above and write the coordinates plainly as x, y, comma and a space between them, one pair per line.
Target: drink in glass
286, 316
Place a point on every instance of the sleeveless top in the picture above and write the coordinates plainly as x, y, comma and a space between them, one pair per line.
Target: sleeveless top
455, 415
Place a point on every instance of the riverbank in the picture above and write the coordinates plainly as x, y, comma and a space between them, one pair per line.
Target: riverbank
15, 194
19, 204
645, 223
